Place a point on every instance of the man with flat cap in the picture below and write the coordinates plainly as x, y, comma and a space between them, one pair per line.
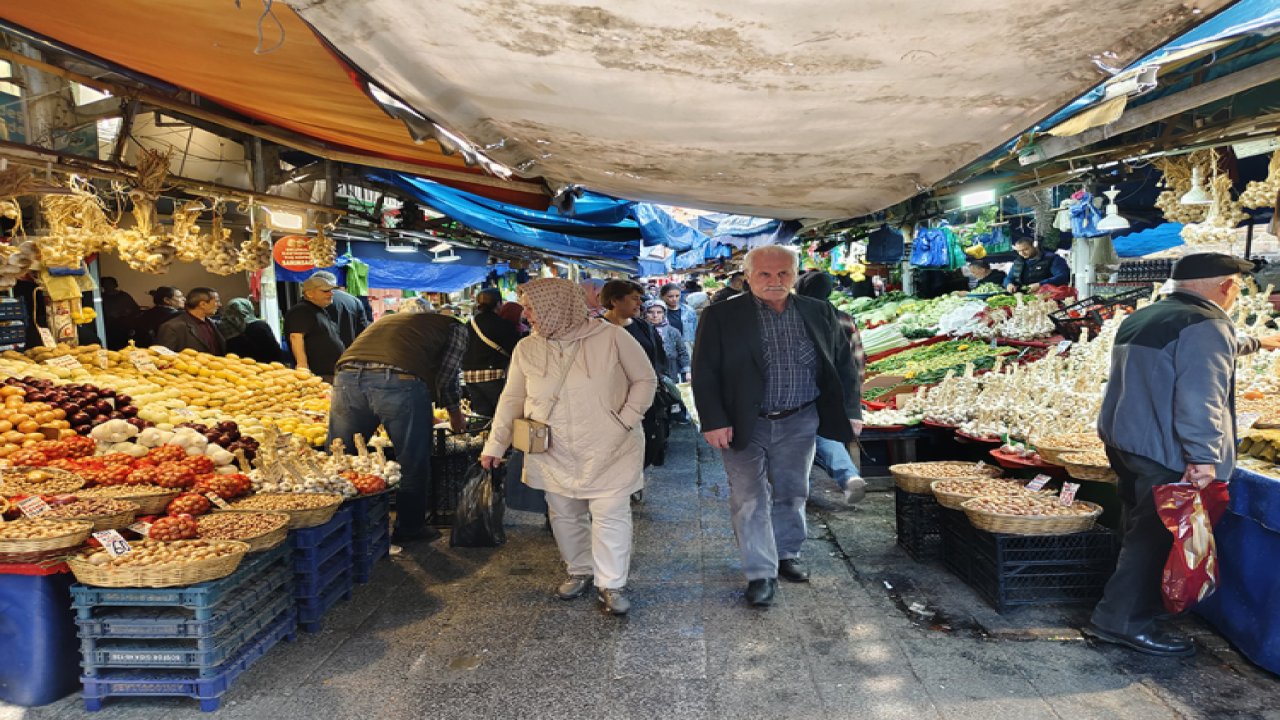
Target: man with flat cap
1168, 415
314, 336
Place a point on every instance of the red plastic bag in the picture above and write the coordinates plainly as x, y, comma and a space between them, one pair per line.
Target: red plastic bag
1191, 572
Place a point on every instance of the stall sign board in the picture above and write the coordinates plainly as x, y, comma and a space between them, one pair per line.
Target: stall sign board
293, 252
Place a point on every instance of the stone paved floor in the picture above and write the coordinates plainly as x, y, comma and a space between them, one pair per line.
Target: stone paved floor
445, 633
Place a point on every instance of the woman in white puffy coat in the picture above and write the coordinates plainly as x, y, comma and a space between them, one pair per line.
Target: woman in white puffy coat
596, 455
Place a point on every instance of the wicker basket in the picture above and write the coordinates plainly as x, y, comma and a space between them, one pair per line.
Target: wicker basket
164, 575
1031, 524
1052, 454
113, 521
1084, 466
298, 519
907, 477
13, 481
256, 543
150, 499
953, 500
38, 549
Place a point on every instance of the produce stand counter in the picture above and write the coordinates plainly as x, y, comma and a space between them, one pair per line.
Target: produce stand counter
1248, 541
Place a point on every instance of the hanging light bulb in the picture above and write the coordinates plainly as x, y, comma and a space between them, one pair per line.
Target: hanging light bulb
1196, 195
1114, 220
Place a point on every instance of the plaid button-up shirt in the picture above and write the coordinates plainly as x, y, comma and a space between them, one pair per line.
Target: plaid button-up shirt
792, 376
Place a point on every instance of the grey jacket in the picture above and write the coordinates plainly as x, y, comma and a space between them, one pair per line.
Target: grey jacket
677, 351
1171, 395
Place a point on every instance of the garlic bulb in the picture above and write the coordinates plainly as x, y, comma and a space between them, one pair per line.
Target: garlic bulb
1263, 194
324, 251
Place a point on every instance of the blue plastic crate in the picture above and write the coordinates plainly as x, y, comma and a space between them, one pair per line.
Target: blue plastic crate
185, 683
311, 610
203, 655
177, 622
316, 536
307, 560
37, 636
370, 511
203, 597
362, 562
314, 582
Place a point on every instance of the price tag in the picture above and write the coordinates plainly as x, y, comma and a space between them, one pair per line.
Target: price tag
999, 363
1063, 347
103, 360
1247, 420
142, 528
64, 361
184, 413
163, 351
113, 542
968, 369
1068, 494
46, 337
216, 499
1039, 482
142, 361
33, 507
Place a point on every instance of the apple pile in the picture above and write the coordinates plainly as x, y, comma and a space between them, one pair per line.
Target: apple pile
82, 405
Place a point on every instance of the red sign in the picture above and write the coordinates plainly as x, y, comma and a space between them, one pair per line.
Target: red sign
293, 252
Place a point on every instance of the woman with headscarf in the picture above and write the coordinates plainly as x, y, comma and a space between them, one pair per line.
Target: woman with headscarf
596, 453
592, 287
246, 335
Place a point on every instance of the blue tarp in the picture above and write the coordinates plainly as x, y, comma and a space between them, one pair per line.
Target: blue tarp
710, 237
404, 271
1151, 240
548, 231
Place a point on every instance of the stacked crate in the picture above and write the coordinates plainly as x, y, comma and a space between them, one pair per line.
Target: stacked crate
916, 522
370, 532
322, 567
191, 641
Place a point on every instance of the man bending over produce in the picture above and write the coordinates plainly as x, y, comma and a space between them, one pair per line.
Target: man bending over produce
1168, 416
1034, 268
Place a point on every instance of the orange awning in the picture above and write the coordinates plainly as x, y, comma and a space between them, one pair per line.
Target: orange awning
208, 48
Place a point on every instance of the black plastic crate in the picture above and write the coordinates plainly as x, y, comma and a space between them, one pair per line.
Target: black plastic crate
916, 516
1013, 570
452, 455
1092, 311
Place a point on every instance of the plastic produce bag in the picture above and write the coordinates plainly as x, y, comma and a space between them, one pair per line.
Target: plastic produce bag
1191, 572
477, 522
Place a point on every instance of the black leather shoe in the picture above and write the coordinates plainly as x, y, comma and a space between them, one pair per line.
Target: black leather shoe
1152, 642
792, 570
760, 592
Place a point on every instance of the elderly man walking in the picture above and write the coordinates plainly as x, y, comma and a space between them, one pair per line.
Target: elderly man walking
772, 371
1168, 415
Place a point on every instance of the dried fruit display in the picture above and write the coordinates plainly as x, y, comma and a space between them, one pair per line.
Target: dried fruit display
89, 507
285, 501
981, 488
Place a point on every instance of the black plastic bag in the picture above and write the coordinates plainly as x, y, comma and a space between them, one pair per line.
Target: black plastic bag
477, 521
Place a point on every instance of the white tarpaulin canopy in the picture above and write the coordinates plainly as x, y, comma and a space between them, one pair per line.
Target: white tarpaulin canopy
813, 108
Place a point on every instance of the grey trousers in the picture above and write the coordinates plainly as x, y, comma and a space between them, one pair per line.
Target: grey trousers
768, 487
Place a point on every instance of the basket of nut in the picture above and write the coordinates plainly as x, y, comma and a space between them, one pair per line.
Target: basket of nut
155, 563
38, 481
1030, 515
150, 499
33, 541
918, 477
1094, 466
1052, 447
104, 513
304, 509
951, 493
262, 531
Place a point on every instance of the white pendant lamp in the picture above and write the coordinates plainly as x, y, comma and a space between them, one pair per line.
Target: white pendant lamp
1196, 195
1114, 220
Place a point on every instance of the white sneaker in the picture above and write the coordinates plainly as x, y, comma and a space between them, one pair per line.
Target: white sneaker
855, 490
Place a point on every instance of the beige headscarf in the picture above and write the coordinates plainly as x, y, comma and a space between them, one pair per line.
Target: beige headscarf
559, 306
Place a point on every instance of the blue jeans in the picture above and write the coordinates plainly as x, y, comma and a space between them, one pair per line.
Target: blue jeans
365, 398
768, 487
833, 457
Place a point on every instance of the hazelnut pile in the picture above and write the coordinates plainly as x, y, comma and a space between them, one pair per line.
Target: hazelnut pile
41, 529
240, 525
947, 469
90, 507
286, 501
1031, 505
154, 552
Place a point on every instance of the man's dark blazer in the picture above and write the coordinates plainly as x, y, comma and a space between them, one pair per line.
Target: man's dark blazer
179, 333
729, 368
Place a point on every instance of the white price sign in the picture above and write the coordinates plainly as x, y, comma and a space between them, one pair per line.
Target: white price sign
33, 507
217, 500
1039, 482
46, 337
163, 351
113, 542
142, 361
1063, 347
1068, 494
142, 528
1247, 420
64, 361
104, 361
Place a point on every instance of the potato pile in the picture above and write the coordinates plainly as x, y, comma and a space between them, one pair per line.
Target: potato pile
240, 525
154, 552
1028, 504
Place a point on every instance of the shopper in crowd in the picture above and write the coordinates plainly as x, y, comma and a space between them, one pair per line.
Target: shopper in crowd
193, 329
592, 287
391, 376
247, 335
623, 301
119, 314
676, 367
697, 301
1034, 268
830, 455
513, 312
314, 337
166, 302
490, 342
735, 286
983, 274
346, 310
680, 315
1168, 416
591, 383
772, 370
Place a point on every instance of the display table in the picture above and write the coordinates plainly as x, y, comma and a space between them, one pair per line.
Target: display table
1248, 541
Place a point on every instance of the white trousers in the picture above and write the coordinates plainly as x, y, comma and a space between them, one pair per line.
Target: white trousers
594, 536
